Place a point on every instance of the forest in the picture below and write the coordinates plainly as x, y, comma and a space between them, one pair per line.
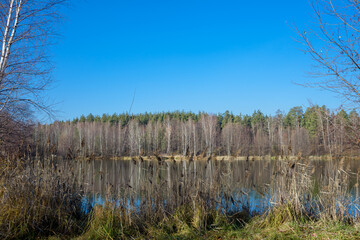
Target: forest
317, 131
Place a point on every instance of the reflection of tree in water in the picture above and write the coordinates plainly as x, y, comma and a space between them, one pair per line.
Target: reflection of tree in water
233, 183
99, 176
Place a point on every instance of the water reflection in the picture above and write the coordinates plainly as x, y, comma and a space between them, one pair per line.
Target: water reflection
240, 180
98, 175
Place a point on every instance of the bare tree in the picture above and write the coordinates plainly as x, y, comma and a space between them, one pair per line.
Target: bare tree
228, 137
334, 46
209, 124
27, 29
168, 134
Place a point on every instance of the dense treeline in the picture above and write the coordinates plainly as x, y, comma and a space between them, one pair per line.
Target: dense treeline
317, 131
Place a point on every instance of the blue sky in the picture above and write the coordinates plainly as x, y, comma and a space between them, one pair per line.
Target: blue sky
182, 55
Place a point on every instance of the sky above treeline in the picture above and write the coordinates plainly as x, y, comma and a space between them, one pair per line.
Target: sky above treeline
195, 56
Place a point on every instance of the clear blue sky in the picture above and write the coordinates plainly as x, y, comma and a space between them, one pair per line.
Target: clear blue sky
182, 55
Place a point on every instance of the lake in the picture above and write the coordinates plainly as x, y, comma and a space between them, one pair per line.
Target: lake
236, 183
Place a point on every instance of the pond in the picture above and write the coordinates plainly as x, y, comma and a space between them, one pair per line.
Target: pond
232, 185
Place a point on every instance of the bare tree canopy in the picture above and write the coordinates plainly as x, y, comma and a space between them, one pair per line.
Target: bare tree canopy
334, 46
27, 30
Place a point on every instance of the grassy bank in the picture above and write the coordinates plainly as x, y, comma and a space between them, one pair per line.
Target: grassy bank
41, 200
185, 223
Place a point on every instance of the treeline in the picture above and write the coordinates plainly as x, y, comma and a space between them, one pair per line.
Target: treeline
317, 131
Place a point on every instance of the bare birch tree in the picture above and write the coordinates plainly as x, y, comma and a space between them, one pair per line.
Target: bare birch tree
27, 29
168, 134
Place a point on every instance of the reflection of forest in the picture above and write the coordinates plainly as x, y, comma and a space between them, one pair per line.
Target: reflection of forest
100, 176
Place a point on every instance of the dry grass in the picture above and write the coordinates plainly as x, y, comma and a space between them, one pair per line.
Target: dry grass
38, 201
328, 199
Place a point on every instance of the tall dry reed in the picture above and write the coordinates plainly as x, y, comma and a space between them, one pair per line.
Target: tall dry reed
297, 195
39, 199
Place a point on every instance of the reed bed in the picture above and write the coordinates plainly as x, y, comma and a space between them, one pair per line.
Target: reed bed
332, 197
168, 199
39, 200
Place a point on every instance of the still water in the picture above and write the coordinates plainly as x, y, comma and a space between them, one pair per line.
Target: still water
250, 181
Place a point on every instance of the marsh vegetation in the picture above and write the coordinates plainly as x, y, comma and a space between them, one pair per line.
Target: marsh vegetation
114, 199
